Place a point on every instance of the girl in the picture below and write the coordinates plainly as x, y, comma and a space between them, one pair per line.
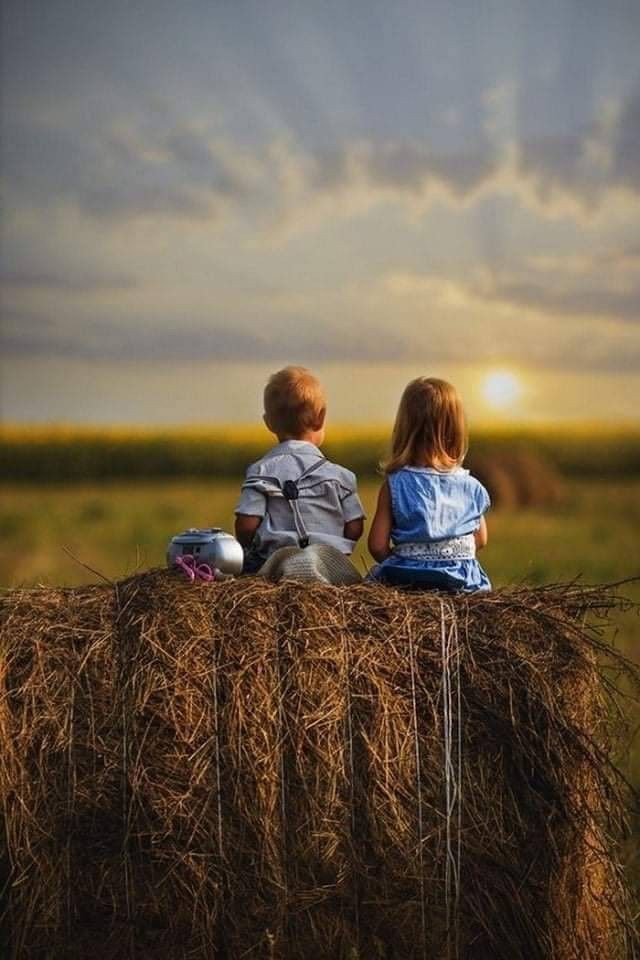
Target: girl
429, 521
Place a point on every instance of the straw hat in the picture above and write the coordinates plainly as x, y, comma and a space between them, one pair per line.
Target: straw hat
318, 561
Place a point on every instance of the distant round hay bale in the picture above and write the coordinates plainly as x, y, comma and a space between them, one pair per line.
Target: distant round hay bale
536, 481
517, 478
492, 473
246, 769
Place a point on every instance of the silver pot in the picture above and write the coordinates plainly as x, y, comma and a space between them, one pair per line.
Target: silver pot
213, 546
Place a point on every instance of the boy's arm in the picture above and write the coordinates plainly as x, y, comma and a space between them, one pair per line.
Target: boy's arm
380, 533
353, 529
245, 528
249, 512
352, 511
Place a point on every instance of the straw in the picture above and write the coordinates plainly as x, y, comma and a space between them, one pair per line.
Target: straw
247, 769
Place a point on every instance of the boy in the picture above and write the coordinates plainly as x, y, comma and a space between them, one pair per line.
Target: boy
293, 496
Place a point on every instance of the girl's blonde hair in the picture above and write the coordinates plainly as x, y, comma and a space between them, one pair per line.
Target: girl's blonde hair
430, 427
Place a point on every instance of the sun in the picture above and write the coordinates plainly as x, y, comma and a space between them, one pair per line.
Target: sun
501, 389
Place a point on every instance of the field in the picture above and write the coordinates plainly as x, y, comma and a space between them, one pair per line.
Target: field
116, 529
113, 529
60, 454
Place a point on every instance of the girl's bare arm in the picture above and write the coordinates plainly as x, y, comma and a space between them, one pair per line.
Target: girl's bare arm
380, 532
481, 535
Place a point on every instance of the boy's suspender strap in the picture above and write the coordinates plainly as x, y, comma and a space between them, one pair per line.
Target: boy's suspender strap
289, 489
301, 530
291, 494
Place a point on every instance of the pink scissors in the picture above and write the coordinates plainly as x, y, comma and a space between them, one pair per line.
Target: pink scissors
187, 563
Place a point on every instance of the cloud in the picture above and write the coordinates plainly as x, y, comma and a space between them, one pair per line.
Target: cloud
412, 168
191, 343
626, 161
587, 165
122, 173
588, 302
574, 172
23, 333
113, 174
127, 171
528, 316
538, 314
604, 286
612, 265
208, 165
552, 164
72, 282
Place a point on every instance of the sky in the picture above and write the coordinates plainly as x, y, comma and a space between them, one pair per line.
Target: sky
195, 194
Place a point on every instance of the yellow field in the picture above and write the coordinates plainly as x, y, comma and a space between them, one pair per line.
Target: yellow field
64, 453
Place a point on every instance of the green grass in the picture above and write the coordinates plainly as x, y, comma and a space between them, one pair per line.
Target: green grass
117, 528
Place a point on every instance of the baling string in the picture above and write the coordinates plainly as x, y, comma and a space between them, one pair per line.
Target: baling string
416, 740
452, 763
283, 796
216, 709
352, 772
218, 762
126, 712
460, 790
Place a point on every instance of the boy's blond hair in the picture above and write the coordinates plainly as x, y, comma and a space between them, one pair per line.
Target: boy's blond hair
430, 427
294, 402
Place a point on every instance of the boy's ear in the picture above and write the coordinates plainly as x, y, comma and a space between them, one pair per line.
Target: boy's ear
319, 424
267, 424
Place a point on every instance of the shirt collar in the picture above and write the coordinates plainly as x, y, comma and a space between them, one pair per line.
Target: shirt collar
454, 472
296, 446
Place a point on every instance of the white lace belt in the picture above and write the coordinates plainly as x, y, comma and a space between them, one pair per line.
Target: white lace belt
456, 548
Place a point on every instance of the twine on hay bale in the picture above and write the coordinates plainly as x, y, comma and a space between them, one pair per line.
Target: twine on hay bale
245, 769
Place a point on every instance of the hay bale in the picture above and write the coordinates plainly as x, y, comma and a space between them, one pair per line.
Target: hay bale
497, 478
248, 769
518, 477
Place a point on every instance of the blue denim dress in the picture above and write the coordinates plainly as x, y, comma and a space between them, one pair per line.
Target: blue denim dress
431, 511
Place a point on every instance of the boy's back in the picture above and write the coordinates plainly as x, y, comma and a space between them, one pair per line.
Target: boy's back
327, 497
293, 495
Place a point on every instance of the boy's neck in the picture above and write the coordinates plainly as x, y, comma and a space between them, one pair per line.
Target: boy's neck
310, 436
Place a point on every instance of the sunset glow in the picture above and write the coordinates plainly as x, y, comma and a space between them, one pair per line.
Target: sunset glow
197, 194
501, 389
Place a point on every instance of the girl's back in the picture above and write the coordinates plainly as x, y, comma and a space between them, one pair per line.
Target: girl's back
429, 520
434, 516
430, 505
